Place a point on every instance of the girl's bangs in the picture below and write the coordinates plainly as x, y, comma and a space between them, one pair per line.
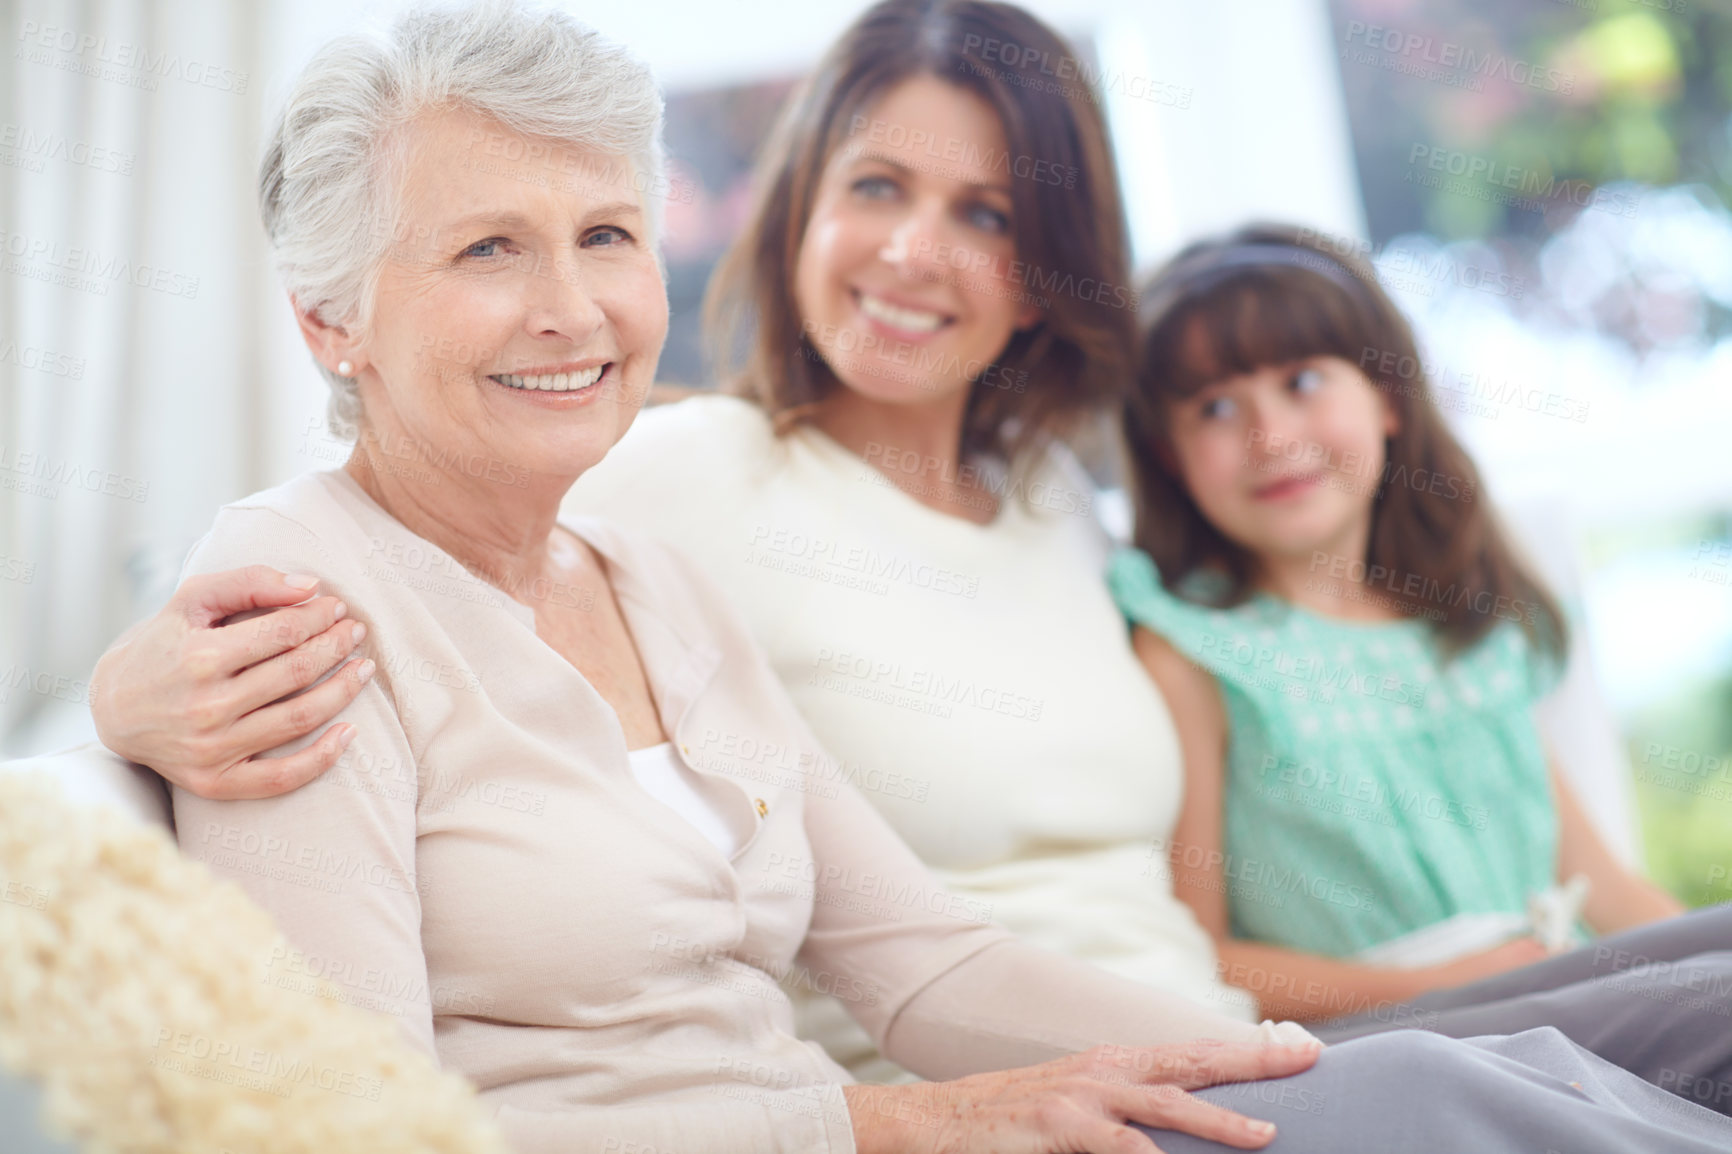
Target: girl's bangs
1230, 322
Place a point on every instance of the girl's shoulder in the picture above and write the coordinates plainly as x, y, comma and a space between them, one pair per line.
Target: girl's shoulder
1184, 616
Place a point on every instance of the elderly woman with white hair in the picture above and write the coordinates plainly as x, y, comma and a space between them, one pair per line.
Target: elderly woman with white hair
523, 857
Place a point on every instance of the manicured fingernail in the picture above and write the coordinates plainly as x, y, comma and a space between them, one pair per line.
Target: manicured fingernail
1262, 1129
342, 608
345, 737
358, 632
300, 580
366, 669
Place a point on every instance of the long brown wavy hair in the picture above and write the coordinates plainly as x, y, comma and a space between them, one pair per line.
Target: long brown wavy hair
1272, 295
1070, 234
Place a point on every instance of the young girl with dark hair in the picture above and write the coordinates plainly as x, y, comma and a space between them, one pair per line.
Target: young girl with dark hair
1350, 645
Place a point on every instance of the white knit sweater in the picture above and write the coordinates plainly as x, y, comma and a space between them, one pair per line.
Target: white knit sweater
976, 681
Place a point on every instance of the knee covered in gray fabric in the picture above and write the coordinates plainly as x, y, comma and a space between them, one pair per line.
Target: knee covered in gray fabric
1410, 1058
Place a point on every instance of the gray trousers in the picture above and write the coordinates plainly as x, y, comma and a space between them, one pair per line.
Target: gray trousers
1623, 1045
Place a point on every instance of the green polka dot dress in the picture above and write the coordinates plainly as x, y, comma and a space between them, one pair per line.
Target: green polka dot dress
1372, 788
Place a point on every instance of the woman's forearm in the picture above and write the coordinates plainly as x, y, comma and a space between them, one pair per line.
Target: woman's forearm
1311, 987
1633, 901
1015, 1005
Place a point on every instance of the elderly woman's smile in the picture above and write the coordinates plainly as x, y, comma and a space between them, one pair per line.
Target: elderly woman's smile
524, 320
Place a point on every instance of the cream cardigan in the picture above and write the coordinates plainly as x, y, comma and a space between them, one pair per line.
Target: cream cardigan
483, 866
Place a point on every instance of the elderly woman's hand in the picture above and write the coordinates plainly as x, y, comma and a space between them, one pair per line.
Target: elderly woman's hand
196, 699
1077, 1103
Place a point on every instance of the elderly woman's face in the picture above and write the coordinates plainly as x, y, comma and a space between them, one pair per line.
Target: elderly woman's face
519, 317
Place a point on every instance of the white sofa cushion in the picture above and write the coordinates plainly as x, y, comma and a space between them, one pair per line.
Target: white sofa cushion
93, 775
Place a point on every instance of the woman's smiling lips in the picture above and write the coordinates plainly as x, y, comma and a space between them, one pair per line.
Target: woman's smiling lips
1288, 487
902, 319
558, 386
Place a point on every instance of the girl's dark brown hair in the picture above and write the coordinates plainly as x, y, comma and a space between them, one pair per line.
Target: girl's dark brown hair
1273, 295
1069, 232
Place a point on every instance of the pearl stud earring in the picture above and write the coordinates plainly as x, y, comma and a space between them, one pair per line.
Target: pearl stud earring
345, 369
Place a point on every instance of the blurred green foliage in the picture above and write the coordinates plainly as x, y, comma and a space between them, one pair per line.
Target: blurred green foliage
1594, 91
1686, 811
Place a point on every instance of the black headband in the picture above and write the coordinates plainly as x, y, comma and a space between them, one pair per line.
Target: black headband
1252, 255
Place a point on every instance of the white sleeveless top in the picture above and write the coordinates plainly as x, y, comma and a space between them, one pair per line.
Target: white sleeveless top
670, 781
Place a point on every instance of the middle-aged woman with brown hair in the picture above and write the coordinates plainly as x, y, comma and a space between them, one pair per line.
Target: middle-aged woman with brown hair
579, 829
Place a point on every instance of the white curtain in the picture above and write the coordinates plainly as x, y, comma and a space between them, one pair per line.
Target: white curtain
132, 382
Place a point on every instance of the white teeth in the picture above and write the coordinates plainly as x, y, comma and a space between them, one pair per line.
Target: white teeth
553, 382
912, 320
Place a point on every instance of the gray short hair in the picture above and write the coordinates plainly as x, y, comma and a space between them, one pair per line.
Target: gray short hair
324, 186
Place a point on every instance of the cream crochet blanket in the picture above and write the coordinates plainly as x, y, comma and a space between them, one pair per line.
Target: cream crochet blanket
132, 991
